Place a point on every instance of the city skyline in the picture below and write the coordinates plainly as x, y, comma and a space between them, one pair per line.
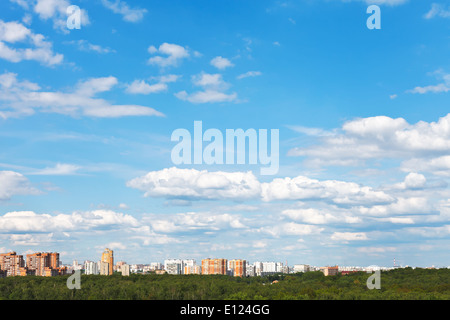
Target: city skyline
352, 122
48, 264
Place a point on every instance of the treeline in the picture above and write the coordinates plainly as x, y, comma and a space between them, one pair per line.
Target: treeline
400, 284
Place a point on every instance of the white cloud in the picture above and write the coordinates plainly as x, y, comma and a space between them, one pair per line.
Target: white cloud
315, 216
337, 192
208, 80
31, 222
430, 232
291, 229
56, 10
439, 166
175, 183
249, 74
169, 78
13, 183
40, 50
24, 98
141, 87
393, 96
213, 90
194, 184
397, 220
193, 221
207, 96
437, 88
221, 63
437, 10
379, 137
173, 54
122, 8
402, 206
348, 236
415, 180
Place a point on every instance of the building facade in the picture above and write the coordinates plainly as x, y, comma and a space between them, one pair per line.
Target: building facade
214, 266
12, 264
238, 267
107, 258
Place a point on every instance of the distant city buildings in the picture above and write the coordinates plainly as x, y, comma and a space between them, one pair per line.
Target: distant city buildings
48, 264
38, 264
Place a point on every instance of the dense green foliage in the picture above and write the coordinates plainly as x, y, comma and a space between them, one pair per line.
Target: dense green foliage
396, 284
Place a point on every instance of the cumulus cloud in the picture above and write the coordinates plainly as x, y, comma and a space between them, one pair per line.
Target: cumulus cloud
221, 63
291, 229
194, 221
142, 87
379, 137
39, 48
20, 98
439, 166
194, 184
213, 90
337, 192
401, 206
31, 222
13, 183
54, 10
316, 216
172, 54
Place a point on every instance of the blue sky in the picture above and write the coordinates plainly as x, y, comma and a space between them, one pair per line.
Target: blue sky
86, 117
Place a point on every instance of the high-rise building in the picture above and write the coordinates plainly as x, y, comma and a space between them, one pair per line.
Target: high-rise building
12, 264
173, 266
195, 269
104, 268
108, 257
214, 266
91, 267
125, 269
238, 267
43, 264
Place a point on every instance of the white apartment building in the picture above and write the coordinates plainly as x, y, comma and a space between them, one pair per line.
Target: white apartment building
301, 268
91, 267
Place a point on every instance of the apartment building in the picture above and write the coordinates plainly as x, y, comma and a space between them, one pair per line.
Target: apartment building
214, 266
238, 267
